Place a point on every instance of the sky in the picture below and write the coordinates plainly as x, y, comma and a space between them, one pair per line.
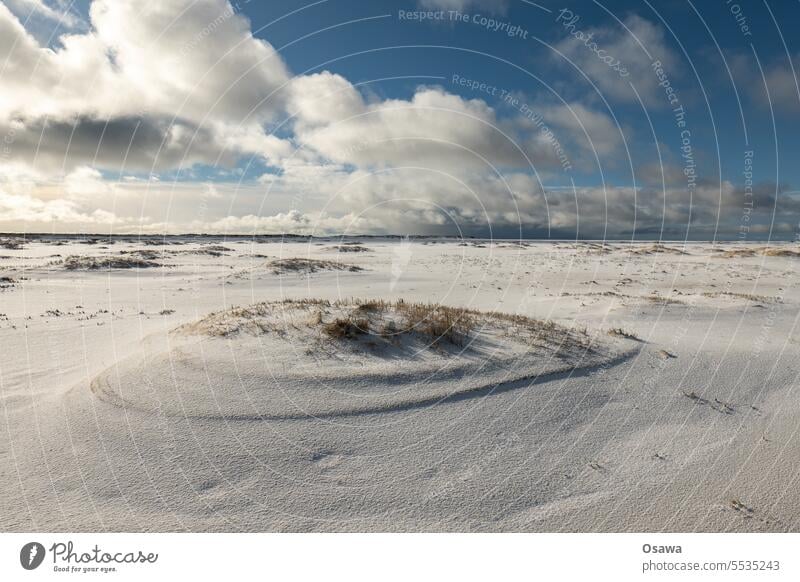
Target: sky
669, 120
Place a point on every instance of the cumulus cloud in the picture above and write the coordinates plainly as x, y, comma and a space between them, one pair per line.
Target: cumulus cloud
158, 85
32, 213
779, 88
783, 86
132, 143
171, 85
194, 60
295, 222
514, 203
85, 182
163, 87
437, 129
433, 129
593, 130
633, 46
313, 199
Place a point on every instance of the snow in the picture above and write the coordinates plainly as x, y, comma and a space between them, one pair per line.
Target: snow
126, 410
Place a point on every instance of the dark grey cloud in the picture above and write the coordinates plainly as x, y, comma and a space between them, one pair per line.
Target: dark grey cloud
135, 144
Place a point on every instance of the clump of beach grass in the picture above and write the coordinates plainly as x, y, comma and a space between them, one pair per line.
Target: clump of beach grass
301, 265
351, 248
346, 328
78, 263
11, 244
352, 320
745, 252
623, 333
656, 248
745, 296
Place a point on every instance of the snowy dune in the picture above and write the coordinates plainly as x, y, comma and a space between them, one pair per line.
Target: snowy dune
211, 384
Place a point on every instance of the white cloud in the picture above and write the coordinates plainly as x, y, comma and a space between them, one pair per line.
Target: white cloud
159, 85
86, 183
194, 60
295, 222
433, 129
169, 85
31, 213
779, 88
312, 199
635, 45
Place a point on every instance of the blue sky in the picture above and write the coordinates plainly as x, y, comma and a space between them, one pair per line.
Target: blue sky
617, 119
708, 92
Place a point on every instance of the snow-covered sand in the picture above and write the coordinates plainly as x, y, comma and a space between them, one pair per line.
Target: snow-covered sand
217, 385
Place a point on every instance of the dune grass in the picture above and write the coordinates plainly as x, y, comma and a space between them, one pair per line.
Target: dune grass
745, 296
623, 333
301, 265
77, 263
759, 251
381, 320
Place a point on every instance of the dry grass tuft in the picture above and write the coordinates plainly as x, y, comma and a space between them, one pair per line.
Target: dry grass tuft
746, 296
299, 265
778, 252
76, 263
659, 300
351, 248
218, 248
657, 248
759, 251
146, 254
388, 323
345, 328
593, 248
439, 323
717, 404
11, 244
371, 306
619, 332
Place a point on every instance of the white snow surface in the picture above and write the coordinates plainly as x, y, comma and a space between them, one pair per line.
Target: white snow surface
118, 417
